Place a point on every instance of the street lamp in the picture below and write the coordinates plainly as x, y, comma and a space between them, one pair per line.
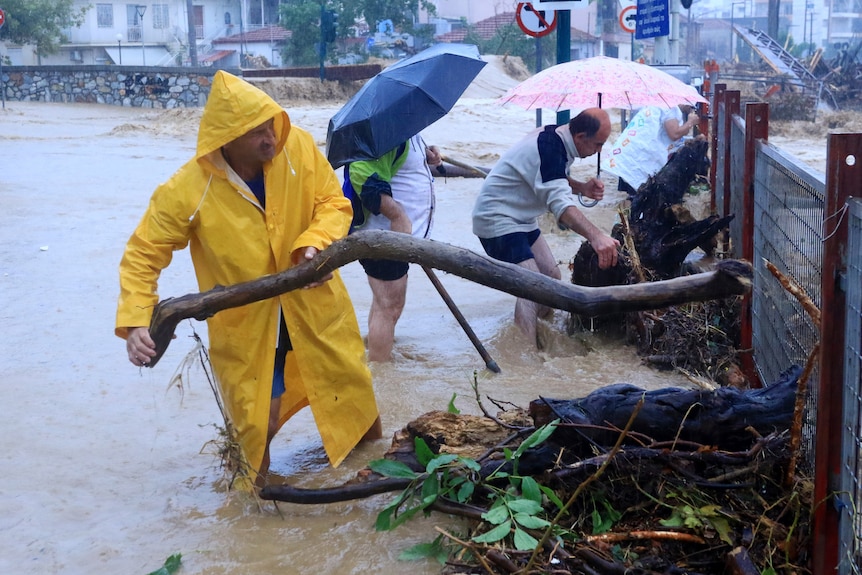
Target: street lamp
120, 47
140, 9
810, 6
733, 6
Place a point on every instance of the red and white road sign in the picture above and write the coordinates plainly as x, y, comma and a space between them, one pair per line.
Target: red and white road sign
535, 22
2, 18
628, 18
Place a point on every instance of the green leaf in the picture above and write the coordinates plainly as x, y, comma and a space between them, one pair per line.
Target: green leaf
524, 506
675, 519
430, 487
384, 520
537, 437
552, 497
530, 521
600, 524
452, 408
722, 527
465, 492
496, 515
524, 541
389, 468
470, 464
423, 452
530, 489
170, 566
495, 534
440, 461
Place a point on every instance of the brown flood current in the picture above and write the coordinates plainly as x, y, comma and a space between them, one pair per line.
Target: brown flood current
109, 469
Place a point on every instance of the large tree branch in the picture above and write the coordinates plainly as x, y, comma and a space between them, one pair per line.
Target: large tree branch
731, 277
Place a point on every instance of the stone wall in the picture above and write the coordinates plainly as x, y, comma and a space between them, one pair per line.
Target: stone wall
169, 87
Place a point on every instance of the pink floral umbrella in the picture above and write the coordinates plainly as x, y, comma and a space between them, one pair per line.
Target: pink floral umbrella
603, 82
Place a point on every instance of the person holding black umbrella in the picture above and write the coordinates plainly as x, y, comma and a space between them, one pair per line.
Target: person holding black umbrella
533, 178
394, 192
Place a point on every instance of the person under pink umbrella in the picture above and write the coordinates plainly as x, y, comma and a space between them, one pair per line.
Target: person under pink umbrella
530, 179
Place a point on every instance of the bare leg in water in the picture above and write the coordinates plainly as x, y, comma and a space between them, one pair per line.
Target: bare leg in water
387, 303
527, 312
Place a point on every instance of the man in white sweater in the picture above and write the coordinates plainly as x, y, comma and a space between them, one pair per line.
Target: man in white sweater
531, 179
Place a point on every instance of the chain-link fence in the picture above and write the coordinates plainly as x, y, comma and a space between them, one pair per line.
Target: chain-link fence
850, 546
792, 230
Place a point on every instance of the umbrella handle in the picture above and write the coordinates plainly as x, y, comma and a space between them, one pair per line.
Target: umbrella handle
587, 203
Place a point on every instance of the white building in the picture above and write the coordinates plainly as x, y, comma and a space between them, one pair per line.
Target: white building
149, 33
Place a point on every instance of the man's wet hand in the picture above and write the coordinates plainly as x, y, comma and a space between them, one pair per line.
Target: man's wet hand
140, 346
308, 254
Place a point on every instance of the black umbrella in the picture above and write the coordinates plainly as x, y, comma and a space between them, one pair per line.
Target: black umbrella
400, 102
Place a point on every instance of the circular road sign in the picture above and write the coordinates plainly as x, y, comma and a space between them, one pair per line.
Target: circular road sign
534, 22
2, 17
628, 17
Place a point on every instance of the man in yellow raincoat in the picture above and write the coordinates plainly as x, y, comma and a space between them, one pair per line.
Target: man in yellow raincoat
258, 197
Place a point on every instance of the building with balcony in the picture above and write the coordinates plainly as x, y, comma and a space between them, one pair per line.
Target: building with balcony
150, 33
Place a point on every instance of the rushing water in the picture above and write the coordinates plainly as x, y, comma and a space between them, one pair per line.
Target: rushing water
108, 470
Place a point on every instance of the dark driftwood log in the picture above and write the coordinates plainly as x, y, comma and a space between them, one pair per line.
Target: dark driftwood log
721, 419
731, 278
663, 231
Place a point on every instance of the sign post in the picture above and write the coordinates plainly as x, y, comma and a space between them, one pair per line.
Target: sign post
535, 22
653, 19
2, 85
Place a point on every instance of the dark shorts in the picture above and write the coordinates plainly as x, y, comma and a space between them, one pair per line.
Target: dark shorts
513, 248
384, 270
284, 346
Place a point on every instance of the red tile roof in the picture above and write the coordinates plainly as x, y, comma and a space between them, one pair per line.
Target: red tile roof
488, 27
217, 55
485, 29
265, 34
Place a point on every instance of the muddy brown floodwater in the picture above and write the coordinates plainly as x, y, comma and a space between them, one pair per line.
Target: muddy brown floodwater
108, 470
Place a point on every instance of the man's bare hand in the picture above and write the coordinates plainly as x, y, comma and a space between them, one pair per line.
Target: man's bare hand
433, 156
594, 188
607, 249
308, 254
140, 346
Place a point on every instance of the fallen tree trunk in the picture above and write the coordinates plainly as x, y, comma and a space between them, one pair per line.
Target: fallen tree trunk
731, 277
726, 418
711, 425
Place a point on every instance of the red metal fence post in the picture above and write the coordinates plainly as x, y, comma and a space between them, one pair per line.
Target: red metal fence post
717, 101
756, 128
843, 179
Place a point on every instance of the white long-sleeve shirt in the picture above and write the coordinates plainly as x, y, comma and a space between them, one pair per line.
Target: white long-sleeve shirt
528, 180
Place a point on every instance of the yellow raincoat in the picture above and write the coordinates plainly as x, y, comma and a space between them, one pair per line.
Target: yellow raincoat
232, 239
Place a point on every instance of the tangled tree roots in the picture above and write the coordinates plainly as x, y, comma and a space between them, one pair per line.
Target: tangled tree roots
661, 509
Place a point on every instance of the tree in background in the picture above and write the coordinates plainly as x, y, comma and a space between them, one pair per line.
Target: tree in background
302, 18
511, 40
40, 22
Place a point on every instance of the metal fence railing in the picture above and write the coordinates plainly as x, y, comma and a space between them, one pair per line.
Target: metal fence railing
788, 216
734, 184
809, 226
850, 528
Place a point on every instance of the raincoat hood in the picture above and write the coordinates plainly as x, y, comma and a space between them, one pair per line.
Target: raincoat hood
233, 108
233, 237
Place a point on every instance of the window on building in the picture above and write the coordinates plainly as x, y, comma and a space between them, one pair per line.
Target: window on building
161, 17
105, 15
133, 24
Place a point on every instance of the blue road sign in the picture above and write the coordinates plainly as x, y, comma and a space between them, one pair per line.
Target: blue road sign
653, 19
